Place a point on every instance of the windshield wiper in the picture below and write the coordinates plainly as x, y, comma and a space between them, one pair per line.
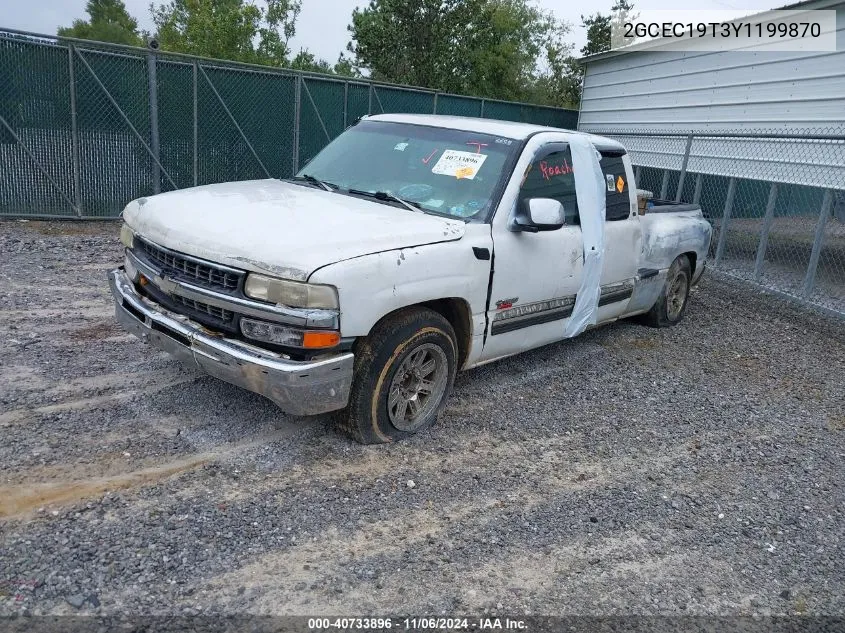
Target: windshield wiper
386, 195
328, 186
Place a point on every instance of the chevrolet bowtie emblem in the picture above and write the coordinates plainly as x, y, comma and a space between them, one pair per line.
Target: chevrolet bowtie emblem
166, 284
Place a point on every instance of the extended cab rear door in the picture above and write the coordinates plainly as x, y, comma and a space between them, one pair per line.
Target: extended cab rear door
622, 234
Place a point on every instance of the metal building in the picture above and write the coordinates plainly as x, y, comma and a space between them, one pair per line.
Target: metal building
644, 87
757, 138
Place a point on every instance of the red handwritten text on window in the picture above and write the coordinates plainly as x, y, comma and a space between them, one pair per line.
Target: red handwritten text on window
555, 169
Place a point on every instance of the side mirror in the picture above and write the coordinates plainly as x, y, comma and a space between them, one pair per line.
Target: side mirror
539, 214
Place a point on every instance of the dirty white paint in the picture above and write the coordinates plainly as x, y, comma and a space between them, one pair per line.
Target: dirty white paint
370, 287
666, 235
623, 239
549, 265
383, 258
280, 228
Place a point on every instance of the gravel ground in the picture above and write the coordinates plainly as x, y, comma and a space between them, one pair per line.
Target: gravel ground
691, 470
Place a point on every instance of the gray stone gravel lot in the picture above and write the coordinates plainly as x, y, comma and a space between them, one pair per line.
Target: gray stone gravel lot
695, 470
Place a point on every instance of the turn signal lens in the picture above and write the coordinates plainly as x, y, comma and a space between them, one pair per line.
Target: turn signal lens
317, 340
292, 337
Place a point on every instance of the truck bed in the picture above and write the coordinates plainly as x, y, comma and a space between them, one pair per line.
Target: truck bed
670, 206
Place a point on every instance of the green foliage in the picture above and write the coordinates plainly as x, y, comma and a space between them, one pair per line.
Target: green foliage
345, 68
599, 27
400, 40
278, 27
109, 21
503, 49
490, 48
226, 29
563, 84
237, 30
305, 60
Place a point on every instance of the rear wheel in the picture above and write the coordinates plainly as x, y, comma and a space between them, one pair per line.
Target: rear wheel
404, 371
672, 303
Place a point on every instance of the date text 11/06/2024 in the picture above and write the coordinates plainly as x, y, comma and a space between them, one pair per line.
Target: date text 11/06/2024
417, 624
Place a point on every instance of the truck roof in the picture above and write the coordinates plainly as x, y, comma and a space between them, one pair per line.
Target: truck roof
506, 129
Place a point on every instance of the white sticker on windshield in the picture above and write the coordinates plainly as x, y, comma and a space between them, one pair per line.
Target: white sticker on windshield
400, 147
459, 164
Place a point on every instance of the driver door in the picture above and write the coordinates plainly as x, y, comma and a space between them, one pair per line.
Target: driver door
536, 276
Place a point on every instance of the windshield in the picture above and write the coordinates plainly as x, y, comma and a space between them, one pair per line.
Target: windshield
438, 170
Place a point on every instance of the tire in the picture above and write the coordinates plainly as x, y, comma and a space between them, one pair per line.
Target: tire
672, 303
386, 405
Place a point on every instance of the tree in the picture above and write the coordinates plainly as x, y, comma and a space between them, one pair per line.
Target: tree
109, 21
561, 85
279, 26
491, 48
225, 29
345, 67
306, 60
564, 83
508, 48
236, 30
599, 27
399, 40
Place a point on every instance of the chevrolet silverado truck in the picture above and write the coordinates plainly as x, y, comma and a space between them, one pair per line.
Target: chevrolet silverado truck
409, 248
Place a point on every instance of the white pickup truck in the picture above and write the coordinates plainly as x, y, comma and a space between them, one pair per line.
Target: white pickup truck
410, 247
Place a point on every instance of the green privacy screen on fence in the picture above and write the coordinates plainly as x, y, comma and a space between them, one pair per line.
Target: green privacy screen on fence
86, 127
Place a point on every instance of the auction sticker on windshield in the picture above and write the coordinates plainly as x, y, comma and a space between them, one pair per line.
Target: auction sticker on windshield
459, 164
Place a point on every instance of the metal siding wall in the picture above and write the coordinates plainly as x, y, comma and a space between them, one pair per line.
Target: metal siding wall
760, 140
796, 161
720, 90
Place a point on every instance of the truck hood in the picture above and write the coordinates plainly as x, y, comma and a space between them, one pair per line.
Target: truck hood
280, 228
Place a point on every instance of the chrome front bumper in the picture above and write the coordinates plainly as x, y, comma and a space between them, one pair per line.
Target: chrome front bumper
298, 388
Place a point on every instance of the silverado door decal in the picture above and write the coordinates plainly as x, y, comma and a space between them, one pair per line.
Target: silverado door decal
526, 315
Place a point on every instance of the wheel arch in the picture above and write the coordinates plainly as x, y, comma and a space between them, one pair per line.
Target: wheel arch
456, 311
692, 256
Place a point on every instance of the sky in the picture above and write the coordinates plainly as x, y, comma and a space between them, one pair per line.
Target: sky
322, 24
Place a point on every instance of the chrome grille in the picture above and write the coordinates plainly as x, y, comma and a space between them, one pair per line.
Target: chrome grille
198, 306
190, 270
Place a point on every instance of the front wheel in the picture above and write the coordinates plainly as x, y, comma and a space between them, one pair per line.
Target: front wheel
404, 372
672, 303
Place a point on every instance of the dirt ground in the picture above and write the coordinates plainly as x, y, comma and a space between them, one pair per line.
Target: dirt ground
692, 470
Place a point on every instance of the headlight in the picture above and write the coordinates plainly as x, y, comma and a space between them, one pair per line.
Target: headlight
284, 335
127, 236
290, 293
130, 269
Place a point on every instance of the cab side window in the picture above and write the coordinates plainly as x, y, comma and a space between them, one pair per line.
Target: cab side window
617, 202
551, 176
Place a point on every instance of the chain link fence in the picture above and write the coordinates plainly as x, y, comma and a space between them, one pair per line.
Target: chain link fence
776, 202
86, 127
